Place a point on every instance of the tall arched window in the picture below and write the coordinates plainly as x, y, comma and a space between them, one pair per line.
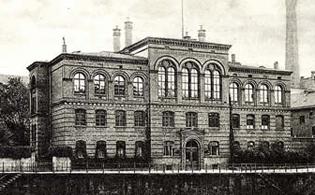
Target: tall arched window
278, 94
263, 93
249, 93
138, 87
79, 83
167, 79
194, 84
216, 85
119, 86
185, 82
99, 84
208, 83
234, 92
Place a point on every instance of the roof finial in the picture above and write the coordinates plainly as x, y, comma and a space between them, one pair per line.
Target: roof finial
64, 46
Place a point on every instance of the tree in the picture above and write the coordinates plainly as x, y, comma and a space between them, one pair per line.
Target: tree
14, 111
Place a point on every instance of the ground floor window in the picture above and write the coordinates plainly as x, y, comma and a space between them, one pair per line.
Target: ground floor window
168, 148
100, 149
80, 149
214, 148
121, 149
139, 151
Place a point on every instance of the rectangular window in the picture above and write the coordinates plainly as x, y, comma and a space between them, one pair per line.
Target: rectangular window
250, 121
139, 118
191, 119
168, 119
279, 122
100, 118
313, 131
302, 120
214, 148
80, 118
33, 101
168, 148
235, 121
265, 122
214, 120
121, 149
120, 118
139, 149
33, 134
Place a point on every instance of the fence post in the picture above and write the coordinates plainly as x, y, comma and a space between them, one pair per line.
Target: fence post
149, 167
118, 167
206, 168
164, 168
134, 167
103, 167
178, 168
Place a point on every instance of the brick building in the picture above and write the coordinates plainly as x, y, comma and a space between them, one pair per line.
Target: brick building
167, 99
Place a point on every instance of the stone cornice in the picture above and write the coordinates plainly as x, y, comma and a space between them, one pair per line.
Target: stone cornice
252, 69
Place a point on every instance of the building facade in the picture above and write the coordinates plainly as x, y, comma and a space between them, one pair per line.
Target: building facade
172, 101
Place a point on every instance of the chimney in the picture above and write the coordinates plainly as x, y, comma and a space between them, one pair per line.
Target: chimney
187, 37
313, 75
276, 65
116, 39
128, 33
201, 34
233, 58
64, 46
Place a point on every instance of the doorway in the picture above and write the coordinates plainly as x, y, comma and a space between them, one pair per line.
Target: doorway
192, 155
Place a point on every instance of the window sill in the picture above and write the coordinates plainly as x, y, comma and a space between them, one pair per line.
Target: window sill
100, 126
164, 156
120, 127
80, 126
215, 128
79, 94
139, 97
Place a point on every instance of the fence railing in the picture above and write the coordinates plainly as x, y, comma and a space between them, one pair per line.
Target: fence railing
34, 167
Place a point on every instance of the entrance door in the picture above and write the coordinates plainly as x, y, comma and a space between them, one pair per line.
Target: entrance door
192, 155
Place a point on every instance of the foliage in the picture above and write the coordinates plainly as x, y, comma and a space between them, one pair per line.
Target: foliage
61, 151
15, 152
14, 110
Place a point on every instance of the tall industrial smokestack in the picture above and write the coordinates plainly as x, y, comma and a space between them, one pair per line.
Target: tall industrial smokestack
201, 34
116, 39
128, 32
292, 52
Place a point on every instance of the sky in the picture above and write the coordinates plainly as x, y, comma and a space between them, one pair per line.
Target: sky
32, 30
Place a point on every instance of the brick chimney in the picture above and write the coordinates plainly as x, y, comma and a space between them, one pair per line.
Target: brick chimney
128, 32
116, 39
201, 34
64, 46
276, 65
233, 58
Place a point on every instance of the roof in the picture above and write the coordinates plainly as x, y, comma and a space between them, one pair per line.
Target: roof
302, 99
239, 67
110, 55
175, 42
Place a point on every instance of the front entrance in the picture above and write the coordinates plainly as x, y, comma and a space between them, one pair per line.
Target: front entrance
192, 155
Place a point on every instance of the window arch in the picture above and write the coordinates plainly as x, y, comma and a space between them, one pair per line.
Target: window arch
234, 89
99, 84
278, 94
79, 83
190, 80
167, 79
138, 87
263, 94
119, 86
249, 93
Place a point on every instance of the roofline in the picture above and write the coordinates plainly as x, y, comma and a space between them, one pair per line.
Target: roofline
308, 107
265, 70
35, 64
179, 42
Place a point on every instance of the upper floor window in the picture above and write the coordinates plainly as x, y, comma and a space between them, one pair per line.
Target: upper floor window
138, 87
139, 118
208, 84
168, 148
235, 121
278, 94
216, 85
190, 81
120, 149
279, 122
250, 121
191, 119
100, 118
263, 93
265, 122
100, 151
166, 79
249, 93
214, 119
168, 119
213, 82
99, 84
120, 118
80, 118
302, 120
79, 83
119, 86
214, 148
234, 92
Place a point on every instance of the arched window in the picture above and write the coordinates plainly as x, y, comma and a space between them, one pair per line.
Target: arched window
216, 85
119, 86
139, 118
191, 119
249, 93
278, 94
208, 84
214, 148
190, 81
79, 83
99, 84
250, 121
167, 79
185, 82
234, 92
138, 87
120, 118
168, 119
80, 118
214, 119
265, 122
100, 118
194, 83
161, 78
100, 151
263, 93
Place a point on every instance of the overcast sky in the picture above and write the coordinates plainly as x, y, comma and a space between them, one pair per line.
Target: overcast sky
32, 30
